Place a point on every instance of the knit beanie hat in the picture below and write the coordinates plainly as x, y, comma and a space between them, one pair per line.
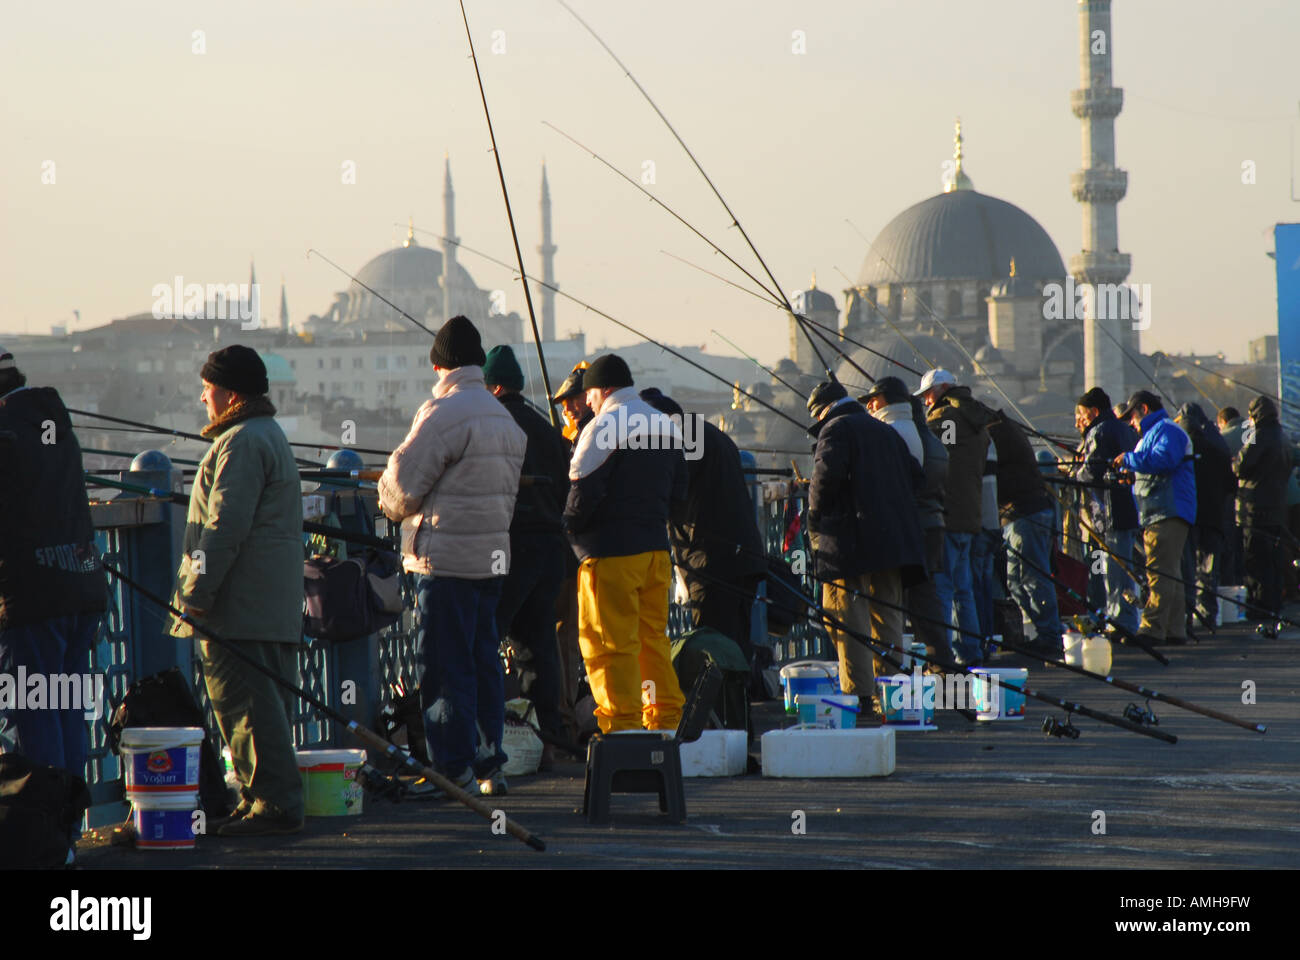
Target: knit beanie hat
607, 371
457, 345
1262, 408
237, 368
823, 395
502, 369
1096, 397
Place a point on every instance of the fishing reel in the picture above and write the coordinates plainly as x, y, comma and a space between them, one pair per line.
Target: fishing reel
1056, 728
1269, 631
1142, 717
381, 785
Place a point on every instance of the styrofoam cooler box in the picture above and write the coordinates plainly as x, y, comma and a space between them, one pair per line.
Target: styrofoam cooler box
718, 753
867, 752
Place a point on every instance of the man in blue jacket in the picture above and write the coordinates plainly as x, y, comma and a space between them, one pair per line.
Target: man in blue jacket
1164, 486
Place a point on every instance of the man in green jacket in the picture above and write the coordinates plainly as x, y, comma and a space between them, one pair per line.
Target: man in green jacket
241, 575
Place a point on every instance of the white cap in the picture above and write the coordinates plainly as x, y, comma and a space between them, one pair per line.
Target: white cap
6, 359
934, 378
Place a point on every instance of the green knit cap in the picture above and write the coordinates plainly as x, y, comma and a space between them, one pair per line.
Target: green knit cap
501, 368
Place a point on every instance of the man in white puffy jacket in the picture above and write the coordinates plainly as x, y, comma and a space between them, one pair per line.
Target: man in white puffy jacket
452, 483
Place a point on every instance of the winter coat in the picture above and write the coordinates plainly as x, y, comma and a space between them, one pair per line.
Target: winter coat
989, 514
1263, 468
1165, 487
453, 481
717, 533
1112, 509
933, 460
961, 422
539, 508
627, 477
1022, 492
242, 553
899, 416
49, 563
1232, 435
1216, 484
861, 511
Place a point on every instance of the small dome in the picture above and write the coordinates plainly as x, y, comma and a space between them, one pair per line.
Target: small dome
278, 369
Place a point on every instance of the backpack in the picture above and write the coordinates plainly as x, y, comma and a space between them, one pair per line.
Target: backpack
165, 700
40, 808
347, 599
692, 654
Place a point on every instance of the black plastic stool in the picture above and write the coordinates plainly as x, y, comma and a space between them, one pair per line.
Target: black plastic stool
641, 762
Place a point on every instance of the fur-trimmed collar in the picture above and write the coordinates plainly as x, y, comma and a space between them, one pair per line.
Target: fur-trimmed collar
250, 408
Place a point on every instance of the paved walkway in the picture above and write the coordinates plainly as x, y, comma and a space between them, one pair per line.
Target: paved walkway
968, 795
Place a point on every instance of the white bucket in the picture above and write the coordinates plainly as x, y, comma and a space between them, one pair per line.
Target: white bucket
1096, 655
809, 677
913, 648
1232, 605
1073, 648
837, 711
160, 760
164, 821
999, 702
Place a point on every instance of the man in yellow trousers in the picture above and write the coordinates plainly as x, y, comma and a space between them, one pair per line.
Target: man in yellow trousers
628, 472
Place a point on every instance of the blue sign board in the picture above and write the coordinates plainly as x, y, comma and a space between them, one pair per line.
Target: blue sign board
1286, 238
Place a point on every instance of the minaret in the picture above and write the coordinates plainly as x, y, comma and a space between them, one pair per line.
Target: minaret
547, 250
284, 307
449, 238
1099, 186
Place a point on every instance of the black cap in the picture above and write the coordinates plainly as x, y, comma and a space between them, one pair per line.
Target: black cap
572, 385
823, 395
1096, 397
457, 345
607, 371
236, 368
1139, 398
655, 397
889, 389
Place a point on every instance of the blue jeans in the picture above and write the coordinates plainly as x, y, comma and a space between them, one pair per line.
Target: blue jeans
957, 598
458, 667
57, 646
983, 548
1031, 537
1116, 581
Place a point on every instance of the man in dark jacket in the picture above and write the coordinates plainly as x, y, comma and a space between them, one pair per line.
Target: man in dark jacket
52, 588
1263, 468
1028, 518
864, 528
525, 612
1111, 512
961, 424
1231, 570
716, 540
627, 477
1216, 485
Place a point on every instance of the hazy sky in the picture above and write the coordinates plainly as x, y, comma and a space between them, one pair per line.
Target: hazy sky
170, 162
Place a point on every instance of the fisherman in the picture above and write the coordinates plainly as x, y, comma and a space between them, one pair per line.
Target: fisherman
889, 401
453, 483
1109, 507
1165, 490
1216, 487
627, 474
241, 575
573, 403
538, 549
1029, 526
864, 528
1263, 469
1232, 572
716, 541
961, 424
52, 589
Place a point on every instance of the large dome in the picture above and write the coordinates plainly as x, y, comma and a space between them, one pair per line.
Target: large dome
961, 234
409, 267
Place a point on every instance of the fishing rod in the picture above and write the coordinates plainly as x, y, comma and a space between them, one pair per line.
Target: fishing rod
514, 236
1244, 386
768, 370
1133, 360
371, 290
879, 646
1188, 377
735, 221
372, 740
601, 313
131, 456
893, 326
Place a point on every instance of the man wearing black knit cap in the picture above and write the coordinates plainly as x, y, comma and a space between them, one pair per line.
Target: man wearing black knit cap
241, 575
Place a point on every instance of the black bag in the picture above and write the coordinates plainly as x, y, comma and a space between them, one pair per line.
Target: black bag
40, 808
347, 599
165, 700
692, 654
785, 608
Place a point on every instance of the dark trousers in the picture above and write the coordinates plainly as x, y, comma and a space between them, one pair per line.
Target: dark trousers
726, 607
458, 667
922, 600
1201, 565
1265, 559
526, 614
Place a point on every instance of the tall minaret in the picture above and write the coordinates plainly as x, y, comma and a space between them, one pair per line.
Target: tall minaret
547, 250
449, 238
1099, 186
284, 307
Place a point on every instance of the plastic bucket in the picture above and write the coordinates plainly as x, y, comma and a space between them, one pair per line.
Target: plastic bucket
164, 821
329, 782
1002, 703
1096, 655
913, 648
809, 677
837, 711
1073, 648
160, 760
1232, 605
906, 708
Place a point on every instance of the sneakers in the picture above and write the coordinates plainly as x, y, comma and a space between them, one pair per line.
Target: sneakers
494, 785
425, 789
262, 820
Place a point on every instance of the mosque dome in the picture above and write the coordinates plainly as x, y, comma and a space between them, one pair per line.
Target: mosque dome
408, 267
